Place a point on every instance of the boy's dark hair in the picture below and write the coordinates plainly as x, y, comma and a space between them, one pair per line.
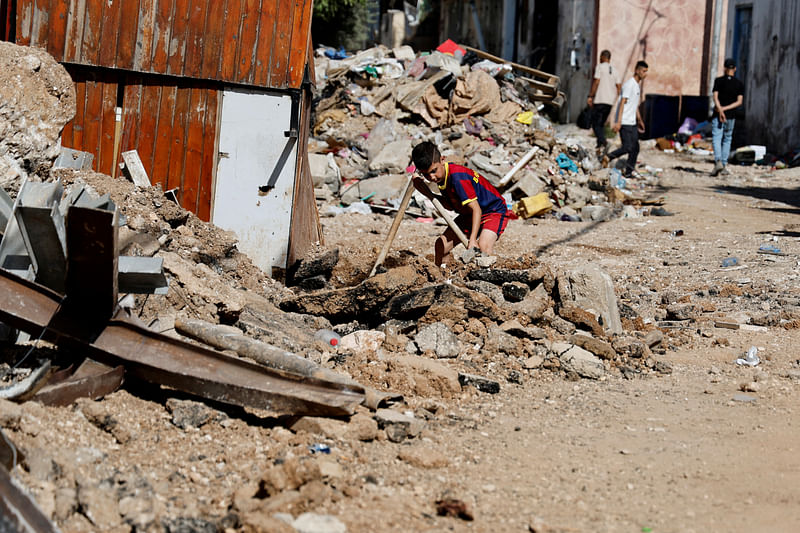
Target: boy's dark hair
606, 54
424, 155
641, 64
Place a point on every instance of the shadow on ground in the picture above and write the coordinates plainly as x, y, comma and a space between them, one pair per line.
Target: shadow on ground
788, 196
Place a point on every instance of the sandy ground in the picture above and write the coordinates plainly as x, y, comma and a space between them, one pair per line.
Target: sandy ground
710, 447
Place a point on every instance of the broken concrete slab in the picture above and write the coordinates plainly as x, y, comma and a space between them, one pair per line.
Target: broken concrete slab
534, 304
598, 347
590, 288
416, 303
581, 318
439, 339
393, 157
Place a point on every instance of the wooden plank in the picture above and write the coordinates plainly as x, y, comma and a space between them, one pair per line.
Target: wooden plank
210, 143
24, 24
546, 77
57, 29
177, 150
148, 118
266, 33
109, 34
143, 49
233, 17
76, 17
41, 11
134, 169
107, 129
195, 35
128, 27
162, 34
93, 117
248, 35
79, 122
159, 172
214, 45
301, 31
92, 29
194, 148
283, 39
131, 102
177, 40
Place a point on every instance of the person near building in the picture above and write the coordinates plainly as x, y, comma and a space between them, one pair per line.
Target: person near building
605, 90
628, 121
482, 211
728, 94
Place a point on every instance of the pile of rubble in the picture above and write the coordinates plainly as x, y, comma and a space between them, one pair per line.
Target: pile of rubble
375, 105
404, 336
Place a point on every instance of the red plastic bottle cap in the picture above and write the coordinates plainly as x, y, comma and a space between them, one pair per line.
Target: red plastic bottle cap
334, 342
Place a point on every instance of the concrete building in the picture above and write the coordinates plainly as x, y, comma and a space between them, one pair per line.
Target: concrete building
764, 38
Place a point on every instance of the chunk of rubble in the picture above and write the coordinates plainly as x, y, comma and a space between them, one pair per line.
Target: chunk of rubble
590, 288
439, 339
576, 359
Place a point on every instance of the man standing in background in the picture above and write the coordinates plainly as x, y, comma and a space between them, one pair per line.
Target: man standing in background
728, 95
629, 121
602, 96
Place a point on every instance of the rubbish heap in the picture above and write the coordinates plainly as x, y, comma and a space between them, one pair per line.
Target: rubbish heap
373, 106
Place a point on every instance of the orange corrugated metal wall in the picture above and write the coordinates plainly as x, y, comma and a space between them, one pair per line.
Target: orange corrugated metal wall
261, 43
172, 127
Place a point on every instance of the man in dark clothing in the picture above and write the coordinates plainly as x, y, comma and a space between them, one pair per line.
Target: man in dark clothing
728, 95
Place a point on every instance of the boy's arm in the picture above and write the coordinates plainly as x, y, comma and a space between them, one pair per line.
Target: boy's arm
422, 186
476, 223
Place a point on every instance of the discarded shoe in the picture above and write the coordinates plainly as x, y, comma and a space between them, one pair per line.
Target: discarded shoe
717, 168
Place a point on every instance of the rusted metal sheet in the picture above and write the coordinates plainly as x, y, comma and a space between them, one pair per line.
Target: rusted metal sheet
262, 43
91, 380
18, 511
174, 363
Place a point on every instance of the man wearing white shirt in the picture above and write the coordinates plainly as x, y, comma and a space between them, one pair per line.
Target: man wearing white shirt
602, 97
629, 121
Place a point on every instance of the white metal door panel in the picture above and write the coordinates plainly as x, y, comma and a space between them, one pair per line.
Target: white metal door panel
253, 149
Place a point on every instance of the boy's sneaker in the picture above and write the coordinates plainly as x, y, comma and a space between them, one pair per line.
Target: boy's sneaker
717, 168
633, 174
725, 171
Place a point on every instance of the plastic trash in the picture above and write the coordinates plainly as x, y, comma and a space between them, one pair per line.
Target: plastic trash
566, 163
616, 180
677, 233
751, 359
320, 448
730, 261
328, 337
769, 249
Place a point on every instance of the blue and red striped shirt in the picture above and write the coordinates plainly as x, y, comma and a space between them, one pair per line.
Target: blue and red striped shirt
463, 185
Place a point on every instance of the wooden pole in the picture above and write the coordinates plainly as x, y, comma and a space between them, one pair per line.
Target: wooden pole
447, 218
398, 218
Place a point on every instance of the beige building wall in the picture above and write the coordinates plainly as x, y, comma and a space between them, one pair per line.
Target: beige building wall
673, 36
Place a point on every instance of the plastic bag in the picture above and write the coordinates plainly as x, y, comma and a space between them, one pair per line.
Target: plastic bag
585, 118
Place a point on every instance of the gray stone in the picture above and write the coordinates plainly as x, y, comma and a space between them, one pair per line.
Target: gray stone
398, 426
438, 338
515, 291
654, 338
534, 361
596, 212
381, 189
489, 289
324, 171
590, 288
578, 195
513, 327
576, 359
534, 304
565, 327
498, 341
529, 184
188, 413
479, 382
686, 311
630, 347
485, 261
394, 157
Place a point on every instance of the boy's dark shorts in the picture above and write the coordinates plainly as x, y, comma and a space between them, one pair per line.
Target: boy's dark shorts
495, 222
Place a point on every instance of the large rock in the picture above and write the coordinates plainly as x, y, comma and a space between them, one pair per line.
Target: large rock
324, 171
578, 360
591, 289
394, 157
380, 189
37, 99
414, 304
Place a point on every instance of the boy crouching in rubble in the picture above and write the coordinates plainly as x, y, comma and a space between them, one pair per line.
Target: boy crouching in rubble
482, 212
